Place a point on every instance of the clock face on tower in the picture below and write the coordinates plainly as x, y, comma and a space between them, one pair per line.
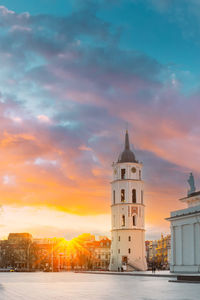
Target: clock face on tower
133, 170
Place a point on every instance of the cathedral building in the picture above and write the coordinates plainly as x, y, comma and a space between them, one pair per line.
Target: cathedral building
185, 233
128, 213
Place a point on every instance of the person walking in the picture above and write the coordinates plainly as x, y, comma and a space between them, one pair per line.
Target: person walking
153, 268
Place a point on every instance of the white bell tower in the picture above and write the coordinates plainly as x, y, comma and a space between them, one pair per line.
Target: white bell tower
128, 212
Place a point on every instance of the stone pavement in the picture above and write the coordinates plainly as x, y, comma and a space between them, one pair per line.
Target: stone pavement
139, 273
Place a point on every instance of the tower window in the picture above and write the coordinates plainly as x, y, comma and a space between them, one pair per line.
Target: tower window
129, 250
122, 195
119, 251
140, 174
134, 196
142, 195
123, 172
129, 238
113, 197
134, 220
123, 220
119, 238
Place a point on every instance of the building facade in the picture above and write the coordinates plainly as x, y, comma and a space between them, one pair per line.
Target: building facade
163, 252
21, 252
127, 213
158, 253
15, 251
102, 254
93, 254
185, 236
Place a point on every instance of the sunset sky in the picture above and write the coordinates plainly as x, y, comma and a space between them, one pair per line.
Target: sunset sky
73, 75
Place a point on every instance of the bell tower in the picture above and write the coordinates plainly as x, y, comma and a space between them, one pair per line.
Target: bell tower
128, 213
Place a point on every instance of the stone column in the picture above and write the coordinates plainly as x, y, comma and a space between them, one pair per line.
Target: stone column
181, 245
197, 242
173, 252
193, 243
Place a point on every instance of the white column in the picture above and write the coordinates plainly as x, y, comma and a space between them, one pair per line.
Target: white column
197, 243
193, 244
194, 238
181, 245
173, 252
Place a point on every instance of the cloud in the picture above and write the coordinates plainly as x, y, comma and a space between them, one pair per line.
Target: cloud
6, 12
68, 89
43, 222
43, 118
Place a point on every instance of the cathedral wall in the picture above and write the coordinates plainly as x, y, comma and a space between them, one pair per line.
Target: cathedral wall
185, 252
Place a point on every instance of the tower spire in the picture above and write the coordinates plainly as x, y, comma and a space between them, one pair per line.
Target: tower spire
127, 155
127, 145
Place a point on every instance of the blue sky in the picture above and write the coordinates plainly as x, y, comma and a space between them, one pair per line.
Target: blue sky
53, 7
165, 30
73, 74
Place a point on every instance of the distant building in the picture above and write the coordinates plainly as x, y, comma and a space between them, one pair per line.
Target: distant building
185, 234
151, 251
93, 254
158, 252
163, 252
15, 251
127, 213
102, 254
23, 253
14, 238
42, 256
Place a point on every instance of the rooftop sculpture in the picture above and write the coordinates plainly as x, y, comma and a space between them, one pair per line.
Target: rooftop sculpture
191, 184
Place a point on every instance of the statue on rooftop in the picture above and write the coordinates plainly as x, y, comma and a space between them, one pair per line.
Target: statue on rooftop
191, 184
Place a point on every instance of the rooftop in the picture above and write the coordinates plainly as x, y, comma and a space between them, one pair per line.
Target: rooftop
127, 155
184, 212
191, 195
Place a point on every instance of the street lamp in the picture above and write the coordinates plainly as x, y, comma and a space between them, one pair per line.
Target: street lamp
28, 256
52, 257
60, 254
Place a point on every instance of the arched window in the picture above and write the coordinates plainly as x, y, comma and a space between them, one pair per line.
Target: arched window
134, 220
119, 251
122, 195
123, 220
142, 196
119, 238
113, 197
140, 175
129, 250
129, 238
134, 196
123, 172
